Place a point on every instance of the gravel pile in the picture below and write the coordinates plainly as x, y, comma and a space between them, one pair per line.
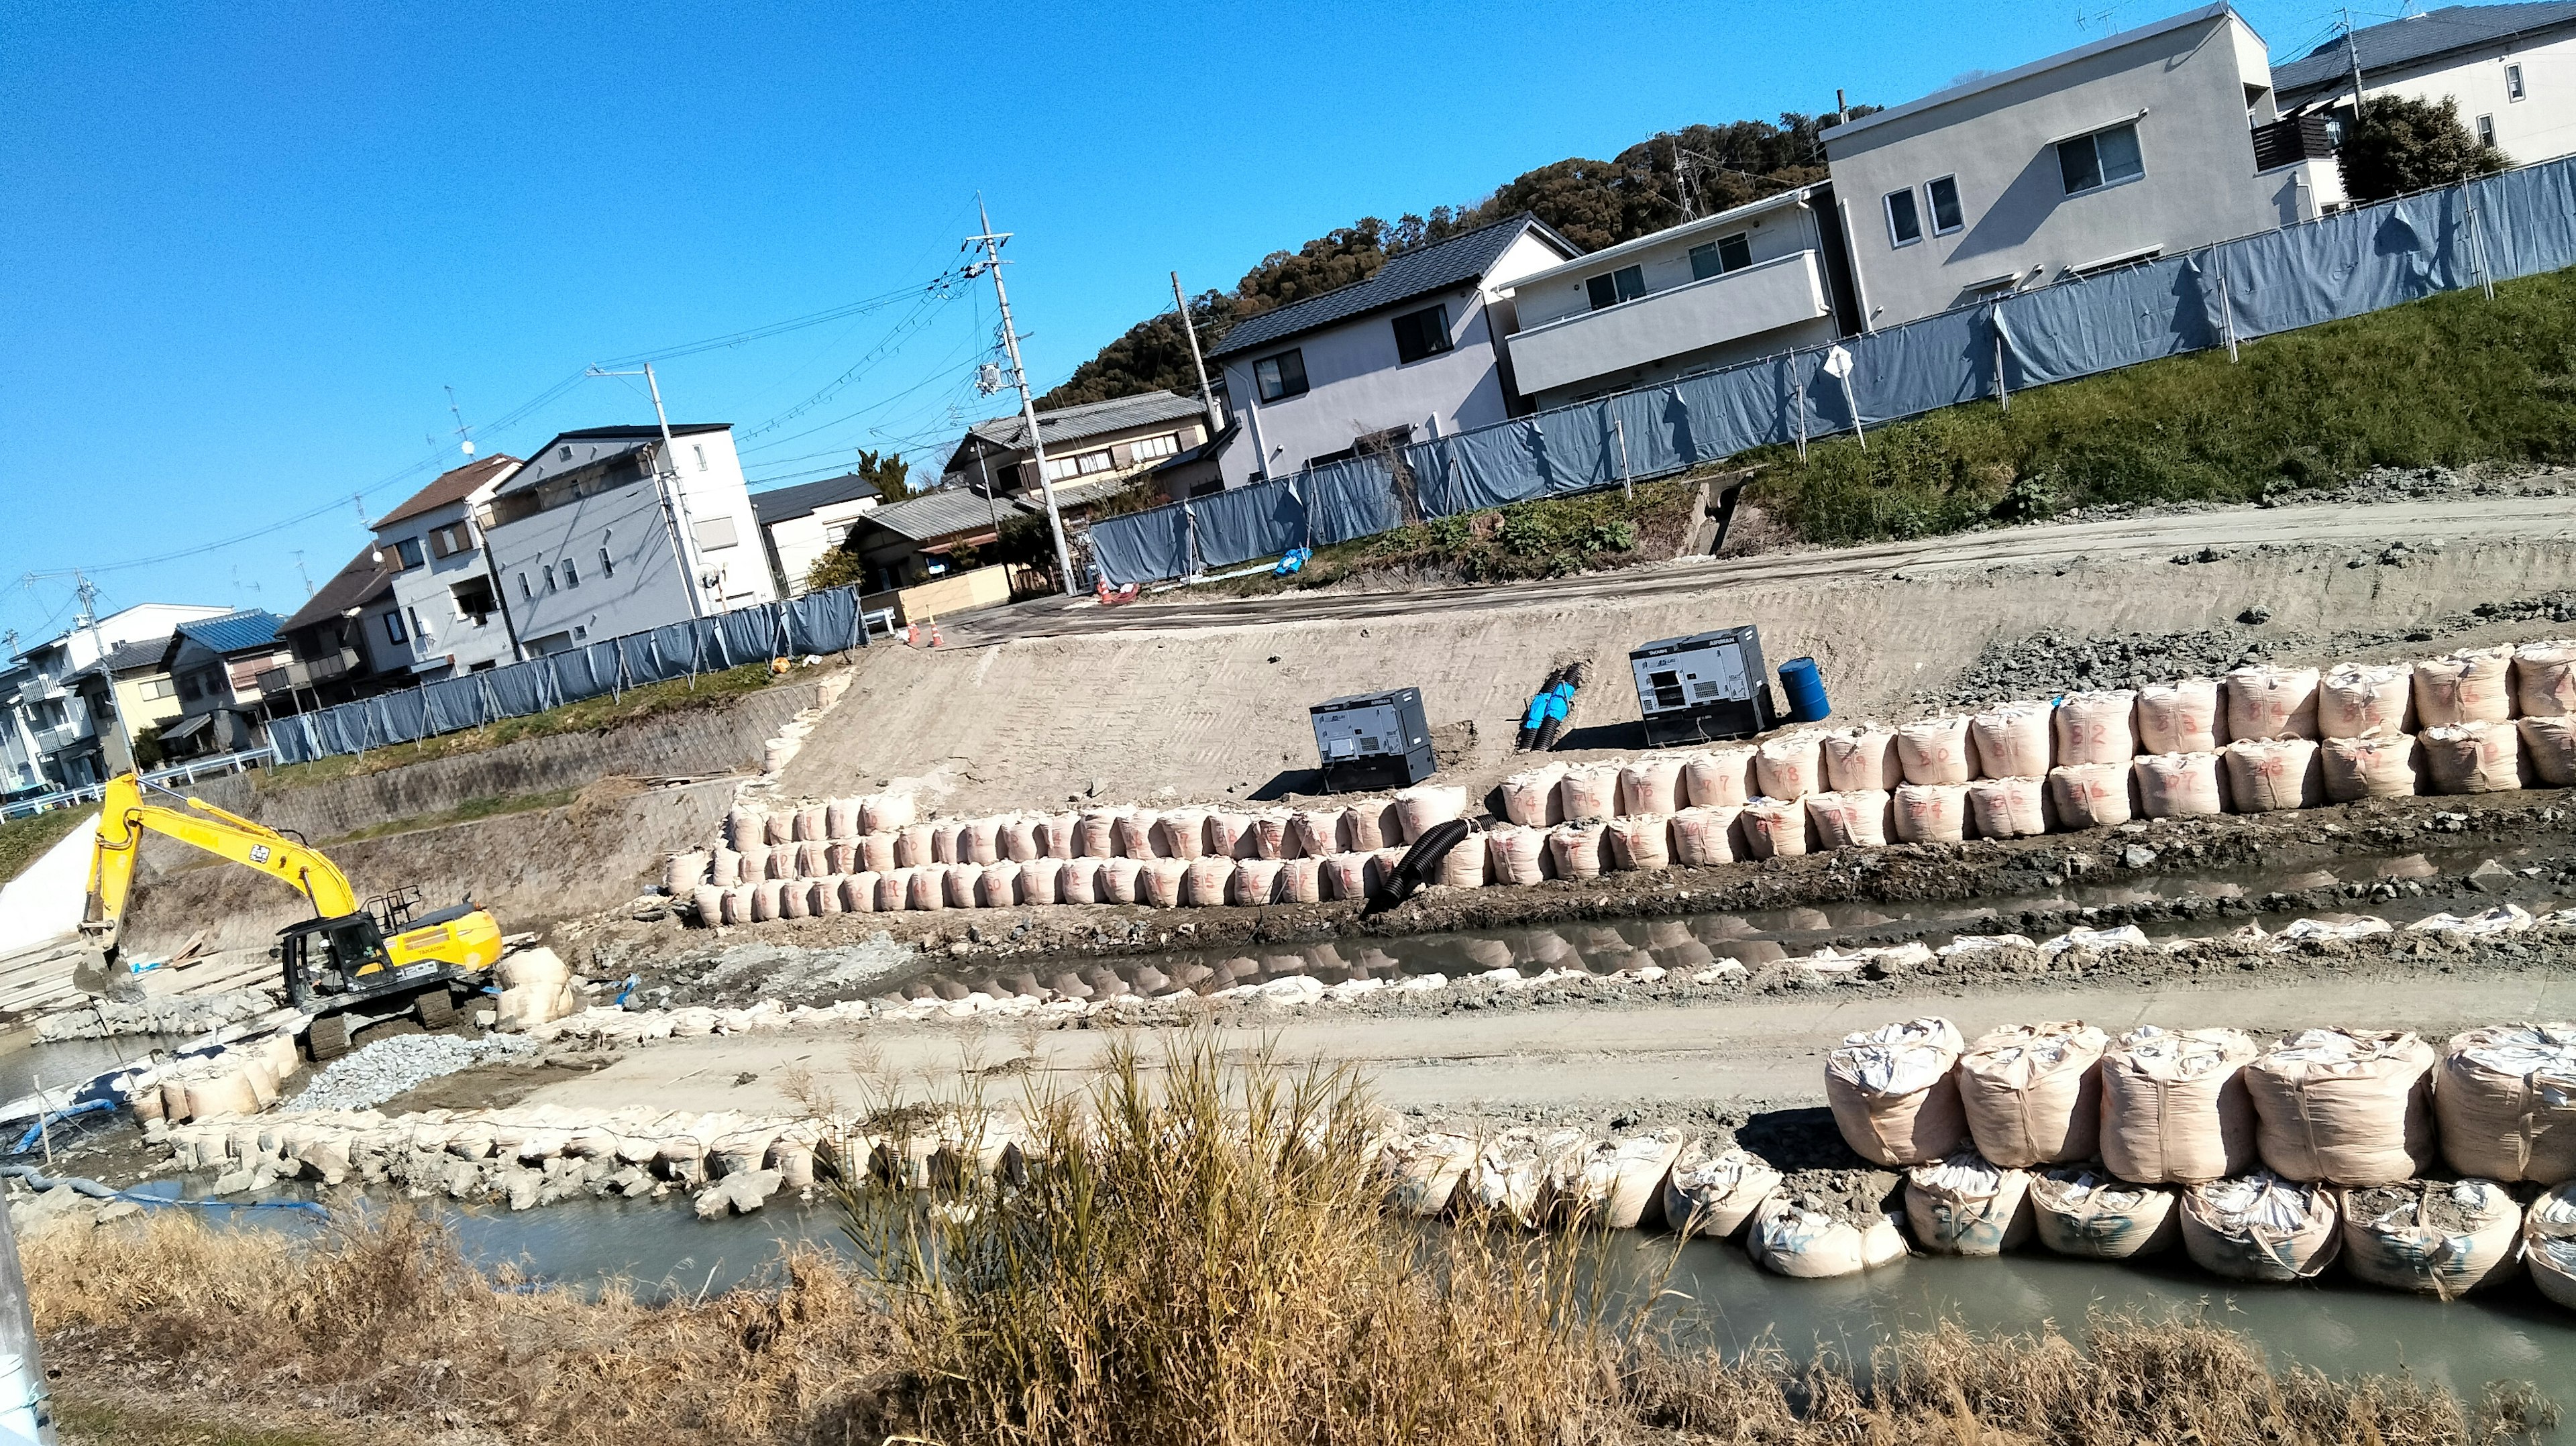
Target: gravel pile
384, 1069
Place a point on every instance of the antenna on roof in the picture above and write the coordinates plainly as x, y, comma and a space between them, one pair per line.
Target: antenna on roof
466, 445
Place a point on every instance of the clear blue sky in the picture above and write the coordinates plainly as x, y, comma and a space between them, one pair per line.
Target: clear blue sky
245, 247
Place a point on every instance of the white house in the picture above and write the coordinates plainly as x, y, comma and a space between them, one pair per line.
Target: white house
1415, 351
1747, 282
799, 524
2511, 68
69, 741
595, 537
448, 615
2139, 145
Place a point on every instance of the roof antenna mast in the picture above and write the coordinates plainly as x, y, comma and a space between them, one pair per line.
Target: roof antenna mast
463, 432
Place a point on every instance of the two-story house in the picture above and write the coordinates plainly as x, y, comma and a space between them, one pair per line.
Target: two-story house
1747, 282
799, 524
348, 640
1415, 351
449, 614
131, 685
1096, 441
600, 534
2511, 69
2143, 144
217, 663
73, 732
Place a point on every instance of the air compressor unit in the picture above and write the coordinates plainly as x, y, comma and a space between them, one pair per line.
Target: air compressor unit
1373, 740
1703, 687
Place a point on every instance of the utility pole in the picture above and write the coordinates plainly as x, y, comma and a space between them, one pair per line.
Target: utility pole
992, 241
88, 592
2352, 53
666, 477
305, 577
1207, 394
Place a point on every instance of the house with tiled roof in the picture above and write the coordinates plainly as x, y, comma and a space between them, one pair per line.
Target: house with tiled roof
342, 645
1121, 437
447, 613
218, 662
59, 721
2510, 68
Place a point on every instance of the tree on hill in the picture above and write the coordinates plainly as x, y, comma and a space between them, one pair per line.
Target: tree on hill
2400, 145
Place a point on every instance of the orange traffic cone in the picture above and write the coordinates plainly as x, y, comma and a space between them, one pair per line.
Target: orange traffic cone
912, 635
934, 632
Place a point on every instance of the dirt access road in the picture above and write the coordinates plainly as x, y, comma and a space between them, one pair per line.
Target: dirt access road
2457, 519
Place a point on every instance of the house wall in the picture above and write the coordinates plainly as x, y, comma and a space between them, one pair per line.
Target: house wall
2194, 139
796, 543
1666, 263
2539, 127
446, 638
713, 490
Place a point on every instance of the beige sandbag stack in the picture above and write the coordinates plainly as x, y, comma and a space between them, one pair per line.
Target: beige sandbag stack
2473, 685
1210, 880
1319, 831
2440, 1238
1345, 876
2381, 766
2012, 740
2544, 678
1931, 812
1790, 766
2355, 700
2014, 807
1853, 820
1640, 842
2032, 1093
1720, 777
1589, 790
1465, 866
2549, 746
1611, 1182
1574, 850
686, 871
2346, 1107
2080, 1211
962, 881
2268, 702
2506, 1103
536, 988
2267, 775
1773, 828
1426, 806
1714, 1192
1862, 759
2179, 785
2549, 1244
2472, 757
2261, 1227
1652, 787
2097, 728
2174, 1105
1788, 1239
1704, 835
1530, 796
2183, 716
1965, 1204
1423, 1171
2091, 795
1161, 881
1894, 1094
1508, 1180
1519, 854
1936, 751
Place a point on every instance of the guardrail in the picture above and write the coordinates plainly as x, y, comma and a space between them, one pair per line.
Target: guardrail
185, 773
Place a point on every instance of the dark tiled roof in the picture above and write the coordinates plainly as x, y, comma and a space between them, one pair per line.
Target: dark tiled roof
126, 657
1445, 266
780, 503
453, 486
360, 582
1068, 425
937, 514
2417, 37
232, 632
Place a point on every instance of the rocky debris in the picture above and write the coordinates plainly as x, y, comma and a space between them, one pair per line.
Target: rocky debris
738, 1194
388, 1067
2491, 877
166, 1014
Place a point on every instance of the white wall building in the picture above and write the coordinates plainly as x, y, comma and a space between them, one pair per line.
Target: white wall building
448, 614
1414, 352
54, 721
799, 524
2511, 68
2139, 145
589, 546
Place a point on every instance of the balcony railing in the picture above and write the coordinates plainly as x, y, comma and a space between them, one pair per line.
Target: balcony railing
2288, 142
305, 672
1745, 302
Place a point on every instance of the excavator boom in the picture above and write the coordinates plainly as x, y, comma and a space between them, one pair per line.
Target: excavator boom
124, 817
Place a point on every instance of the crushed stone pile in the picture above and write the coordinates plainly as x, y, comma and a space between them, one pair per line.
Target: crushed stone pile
386, 1068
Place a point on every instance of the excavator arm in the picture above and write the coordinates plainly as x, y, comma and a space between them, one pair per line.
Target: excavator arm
124, 817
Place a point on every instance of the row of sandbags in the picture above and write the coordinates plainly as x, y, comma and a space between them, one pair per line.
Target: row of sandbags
238, 1079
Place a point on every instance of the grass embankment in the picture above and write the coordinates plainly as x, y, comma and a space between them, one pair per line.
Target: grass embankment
590, 715
1195, 1255
24, 840
2447, 381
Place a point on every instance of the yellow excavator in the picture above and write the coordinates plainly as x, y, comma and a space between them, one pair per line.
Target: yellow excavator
347, 967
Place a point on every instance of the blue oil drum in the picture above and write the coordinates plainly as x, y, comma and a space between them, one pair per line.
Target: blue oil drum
1806, 690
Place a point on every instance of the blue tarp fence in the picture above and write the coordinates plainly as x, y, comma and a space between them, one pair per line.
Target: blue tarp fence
2519, 223
819, 622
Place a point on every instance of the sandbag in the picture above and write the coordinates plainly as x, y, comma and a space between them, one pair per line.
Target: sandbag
768, 900
1160, 881
1425, 805
1773, 828
2347, 1107
1372, 824
1574, 850
1714, 1192
2506, 1103
1132, 833
2261, 1227
2179, 785
1301, 881
1651, 787
2012, 740
1042, 881
1120, 880
1423, 1171
2175, 1110
2091, 795
1209, 879
724, 867
2549, 1244
1720, 777
2476, 757
2355, 700
2544, 679
752, 864
885, 812
1519, 854
2079, 1211
945, 837
859, 893
1345, 876
1530, 797
911, 846
795, 900
1611, 1182
2268, 702
2473, 685
1021, 838
1097, 836
778, 828
685, 871
876, 853
1588, 790
1931, 812
1789, 766
2183, 716
1936, 751
1862, 759
226, 1092
745, 826
1640, 843
1508, 1180
2549, 743
2265, 775
961, 881
2033, 1093
708, 900
841, 818
1319, 831
1965, 1204
998, 886
1255, 883
1853, 820
1233, 835
841, 856
2009, 807
1080, 881
810, 822
894, 891
1704, 835
2377, 767
1893, 1094
1275, 836
813, 860
1181, 833
2440, 1238
2098, 727
1789, 1239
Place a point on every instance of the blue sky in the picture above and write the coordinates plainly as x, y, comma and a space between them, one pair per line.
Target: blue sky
247, 247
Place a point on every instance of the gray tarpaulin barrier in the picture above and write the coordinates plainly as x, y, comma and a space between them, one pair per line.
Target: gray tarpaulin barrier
2521, 223
821, 622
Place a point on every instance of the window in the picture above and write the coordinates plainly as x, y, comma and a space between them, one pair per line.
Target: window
1147, 449
2486, 130
450, 540
473, 600
2513, 82
607, 567
701, 454
407, 555
526, 592
1718, 257
565, 453
1904, 221
1280, 377
2104, 158
715, 533
1423, 333
1625, 284
393, 629
571, 578
549, 574
1063, 469
417, 630
1944, 196
156, 689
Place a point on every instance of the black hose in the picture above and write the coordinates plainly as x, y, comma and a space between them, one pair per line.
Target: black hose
1420, 863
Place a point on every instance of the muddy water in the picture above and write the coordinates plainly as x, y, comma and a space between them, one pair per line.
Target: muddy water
24, 1063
